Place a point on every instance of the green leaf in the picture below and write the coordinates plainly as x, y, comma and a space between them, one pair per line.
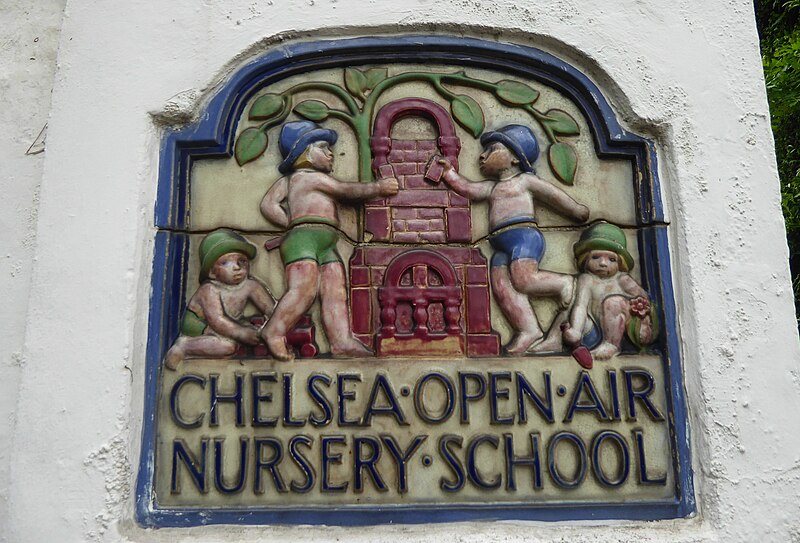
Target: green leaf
563, 162
355, 81
561, 123
515, 93
468, 114
313, 110
634, 329
250, 145
655, 323
266, 106
375, 76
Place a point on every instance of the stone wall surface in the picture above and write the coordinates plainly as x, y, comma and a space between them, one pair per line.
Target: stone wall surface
684, 73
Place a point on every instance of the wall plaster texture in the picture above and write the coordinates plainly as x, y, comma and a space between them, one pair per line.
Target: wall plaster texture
684, 73
29, 35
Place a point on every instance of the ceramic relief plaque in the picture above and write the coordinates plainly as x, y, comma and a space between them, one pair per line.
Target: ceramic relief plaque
411, 280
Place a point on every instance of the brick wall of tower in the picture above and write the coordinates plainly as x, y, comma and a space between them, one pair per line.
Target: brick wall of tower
423, 211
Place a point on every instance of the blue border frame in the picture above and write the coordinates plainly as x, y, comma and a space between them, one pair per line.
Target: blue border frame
212, 136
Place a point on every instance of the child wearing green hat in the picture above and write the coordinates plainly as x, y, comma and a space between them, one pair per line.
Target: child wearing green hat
606, 297
211, 325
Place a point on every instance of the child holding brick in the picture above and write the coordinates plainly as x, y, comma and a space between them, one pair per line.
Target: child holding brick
512, 189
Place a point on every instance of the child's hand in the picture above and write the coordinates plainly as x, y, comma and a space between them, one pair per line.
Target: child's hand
388, 186
583, 213
250, 336
640, 307
447, 170
571, 336
445, 164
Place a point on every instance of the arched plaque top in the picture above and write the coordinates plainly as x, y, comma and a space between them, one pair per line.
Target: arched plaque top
213, 135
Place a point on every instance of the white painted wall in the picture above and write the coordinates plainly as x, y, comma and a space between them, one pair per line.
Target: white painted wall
686, 73
29, 35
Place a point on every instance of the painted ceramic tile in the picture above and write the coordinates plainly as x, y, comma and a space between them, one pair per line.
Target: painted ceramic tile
426, 292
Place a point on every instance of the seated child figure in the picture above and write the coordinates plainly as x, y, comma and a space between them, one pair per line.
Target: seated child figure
512, 189
606, 297
211, 325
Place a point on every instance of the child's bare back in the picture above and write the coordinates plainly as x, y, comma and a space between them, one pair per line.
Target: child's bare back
314, 194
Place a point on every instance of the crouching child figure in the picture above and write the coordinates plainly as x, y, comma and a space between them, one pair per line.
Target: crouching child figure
213, 324
608, 302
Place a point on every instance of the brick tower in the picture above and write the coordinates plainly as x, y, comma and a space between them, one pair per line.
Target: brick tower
416, 286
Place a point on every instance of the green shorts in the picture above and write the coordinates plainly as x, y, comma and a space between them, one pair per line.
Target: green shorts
192, 325
310, 242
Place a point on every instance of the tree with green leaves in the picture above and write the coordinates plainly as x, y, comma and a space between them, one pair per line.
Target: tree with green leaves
360, 94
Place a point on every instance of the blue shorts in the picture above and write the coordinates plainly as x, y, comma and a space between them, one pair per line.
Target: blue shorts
516, 243
593, 337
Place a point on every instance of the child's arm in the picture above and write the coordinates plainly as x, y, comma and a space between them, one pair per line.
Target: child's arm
261, 297
214, 313
271, 206
630, 286
556, 198
579, 313
340, 190
480, 190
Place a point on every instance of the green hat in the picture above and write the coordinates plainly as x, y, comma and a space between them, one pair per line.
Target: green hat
221, 242
604, 237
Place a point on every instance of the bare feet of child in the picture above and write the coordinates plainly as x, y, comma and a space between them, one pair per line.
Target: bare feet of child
605, 351
521, 342
550, 344
350, 349
554, 341
175, 355
277, 347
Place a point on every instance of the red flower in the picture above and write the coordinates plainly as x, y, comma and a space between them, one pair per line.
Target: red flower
640, 307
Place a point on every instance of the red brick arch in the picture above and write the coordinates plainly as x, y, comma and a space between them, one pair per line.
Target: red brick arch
401, 263
381, 141
421, 294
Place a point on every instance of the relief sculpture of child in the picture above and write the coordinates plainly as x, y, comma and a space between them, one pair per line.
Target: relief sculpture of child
212, 325
608, 301
305, 203
512, 189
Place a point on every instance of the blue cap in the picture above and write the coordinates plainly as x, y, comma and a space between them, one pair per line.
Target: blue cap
298, 135
520, 139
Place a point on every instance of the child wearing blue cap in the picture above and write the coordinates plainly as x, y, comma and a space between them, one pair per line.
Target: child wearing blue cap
305, 203
512, 189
